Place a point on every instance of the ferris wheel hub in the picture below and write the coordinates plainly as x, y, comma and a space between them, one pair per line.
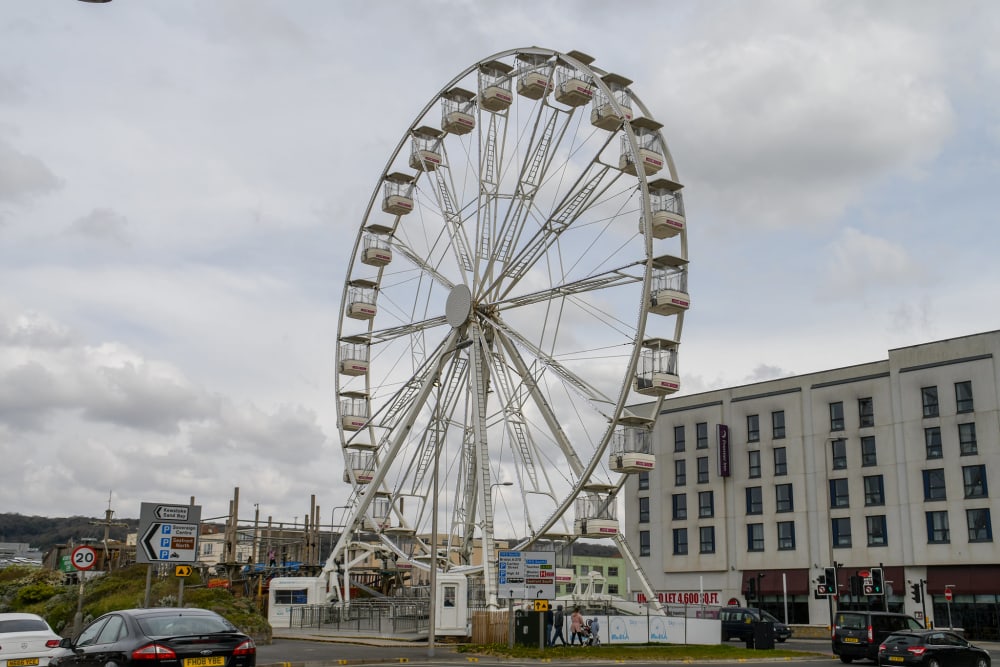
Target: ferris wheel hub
458, 308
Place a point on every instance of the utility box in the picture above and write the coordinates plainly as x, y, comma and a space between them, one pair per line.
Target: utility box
763, 635
529, 626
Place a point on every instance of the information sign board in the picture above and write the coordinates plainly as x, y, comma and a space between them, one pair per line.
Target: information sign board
526, 575
168, 533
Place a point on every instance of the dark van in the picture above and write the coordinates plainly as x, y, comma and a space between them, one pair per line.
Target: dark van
857, 634
737, 622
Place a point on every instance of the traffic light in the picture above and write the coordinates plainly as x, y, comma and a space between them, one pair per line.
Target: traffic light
751, 588
824, 586
830, 575
916, 591
877, 587
857, 586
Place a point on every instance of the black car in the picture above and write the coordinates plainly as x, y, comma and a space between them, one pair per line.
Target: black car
931, 648
738, 623
856, 635
170, 637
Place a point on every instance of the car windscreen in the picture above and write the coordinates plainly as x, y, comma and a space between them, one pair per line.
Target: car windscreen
902, 640
180, 625
851, 621
23, 625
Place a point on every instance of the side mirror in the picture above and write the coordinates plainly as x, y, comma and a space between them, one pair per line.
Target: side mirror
66, 642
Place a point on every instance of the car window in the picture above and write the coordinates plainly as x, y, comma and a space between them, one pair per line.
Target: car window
113, 630
913, 624
902, 640
23, 625
181, 624
851, 621
91, 632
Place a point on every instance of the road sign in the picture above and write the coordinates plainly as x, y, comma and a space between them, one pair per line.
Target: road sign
84, 557
527, 575
947, 594
168, 533
182, 570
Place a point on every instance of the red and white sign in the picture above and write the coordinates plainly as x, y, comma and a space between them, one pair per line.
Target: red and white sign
682, 597
947, 594
84, 557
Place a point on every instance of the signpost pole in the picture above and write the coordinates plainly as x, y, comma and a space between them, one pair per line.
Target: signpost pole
180, 592
78, 618
149, 586
510, 621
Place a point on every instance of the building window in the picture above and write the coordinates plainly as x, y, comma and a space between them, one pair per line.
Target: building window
937, 528
839, 450
755, 537
644, 480
934, 484
778, 424
876, 530
780, 462
702, 469
678, 438
783, 498
680, 506
612, 570
974, 478
753, 428
643, 510
753, 464
701, 435
874, 491
837, 416
584, 569
206, 548
869, 457
755, 500
967, 439
932, 442
839, 497
612, 589
963, 396
643, 542
706, 536
928, 396
680, 541
786, 536
706, 504
980, 526
866, 412
680, 473
841, 532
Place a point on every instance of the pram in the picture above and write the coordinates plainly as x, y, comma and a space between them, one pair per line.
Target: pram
589, 633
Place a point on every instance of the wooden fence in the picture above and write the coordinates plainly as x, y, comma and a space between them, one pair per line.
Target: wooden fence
490, 627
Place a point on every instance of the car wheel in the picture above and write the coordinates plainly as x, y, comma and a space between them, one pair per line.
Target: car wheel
846, 659
933, 663
982, 662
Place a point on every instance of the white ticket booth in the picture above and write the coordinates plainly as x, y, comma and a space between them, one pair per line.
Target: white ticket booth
452, 605
287, 593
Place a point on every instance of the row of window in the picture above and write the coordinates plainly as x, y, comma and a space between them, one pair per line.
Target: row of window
866, 416
978, 523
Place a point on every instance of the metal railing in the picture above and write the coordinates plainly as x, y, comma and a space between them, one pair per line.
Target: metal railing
383, 617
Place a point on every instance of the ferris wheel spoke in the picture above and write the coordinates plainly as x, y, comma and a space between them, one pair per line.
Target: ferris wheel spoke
420, 262
404, 330
612, 278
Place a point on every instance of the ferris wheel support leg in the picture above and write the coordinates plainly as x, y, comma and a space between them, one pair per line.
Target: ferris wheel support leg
647, 588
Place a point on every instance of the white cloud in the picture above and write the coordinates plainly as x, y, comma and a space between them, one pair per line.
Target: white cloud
861, 264
23, 176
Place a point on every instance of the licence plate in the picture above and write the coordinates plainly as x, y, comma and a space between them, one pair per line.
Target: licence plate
896, 658
22, 662
850, 640
211, 661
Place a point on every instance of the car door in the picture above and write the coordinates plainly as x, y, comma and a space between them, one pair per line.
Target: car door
103, 645
82, 643
946, 650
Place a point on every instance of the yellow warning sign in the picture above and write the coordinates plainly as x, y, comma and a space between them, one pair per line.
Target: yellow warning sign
182, 570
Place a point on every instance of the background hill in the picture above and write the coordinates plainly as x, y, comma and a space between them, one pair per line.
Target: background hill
45, 532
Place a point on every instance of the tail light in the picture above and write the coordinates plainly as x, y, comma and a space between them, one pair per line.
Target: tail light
917, 650
881, 648
246, 648
52, 643
154, 652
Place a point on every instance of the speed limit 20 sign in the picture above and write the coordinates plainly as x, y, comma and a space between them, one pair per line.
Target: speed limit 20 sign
84, 558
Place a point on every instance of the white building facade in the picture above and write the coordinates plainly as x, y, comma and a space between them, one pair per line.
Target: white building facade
882, 464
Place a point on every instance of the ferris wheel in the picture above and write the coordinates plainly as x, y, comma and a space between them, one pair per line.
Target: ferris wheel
513, 305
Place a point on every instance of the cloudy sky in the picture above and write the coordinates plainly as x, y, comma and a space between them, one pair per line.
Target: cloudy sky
181, 182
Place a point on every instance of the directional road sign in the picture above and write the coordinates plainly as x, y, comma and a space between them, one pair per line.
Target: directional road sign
182, 570
526, 575
168, 533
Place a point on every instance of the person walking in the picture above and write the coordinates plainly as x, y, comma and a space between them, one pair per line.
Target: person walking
558, 623
576, 627
549, 617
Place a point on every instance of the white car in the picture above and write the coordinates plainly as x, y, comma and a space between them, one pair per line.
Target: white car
26, 640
